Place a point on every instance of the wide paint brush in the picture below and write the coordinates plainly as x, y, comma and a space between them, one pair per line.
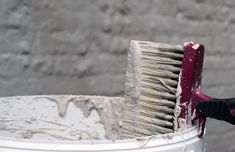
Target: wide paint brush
162, 92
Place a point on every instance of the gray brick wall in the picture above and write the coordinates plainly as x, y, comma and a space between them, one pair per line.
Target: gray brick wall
80, 46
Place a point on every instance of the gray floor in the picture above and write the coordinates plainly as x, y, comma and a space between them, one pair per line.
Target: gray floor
80, 46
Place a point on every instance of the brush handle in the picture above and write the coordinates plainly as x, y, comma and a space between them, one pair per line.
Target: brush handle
220, 109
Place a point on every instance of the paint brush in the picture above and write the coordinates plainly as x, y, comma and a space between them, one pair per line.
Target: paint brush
162, 89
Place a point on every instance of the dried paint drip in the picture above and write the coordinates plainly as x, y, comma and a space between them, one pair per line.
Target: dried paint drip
61, 117
151, 87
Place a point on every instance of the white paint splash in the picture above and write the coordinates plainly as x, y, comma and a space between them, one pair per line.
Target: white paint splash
62, 117
186, 43
195, 46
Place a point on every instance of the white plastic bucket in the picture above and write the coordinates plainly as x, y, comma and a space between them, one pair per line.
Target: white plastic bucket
32, 123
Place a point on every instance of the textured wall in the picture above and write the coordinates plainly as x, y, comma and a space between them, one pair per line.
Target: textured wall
80, 46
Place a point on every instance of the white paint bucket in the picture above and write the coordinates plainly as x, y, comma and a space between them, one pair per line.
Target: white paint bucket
32, 123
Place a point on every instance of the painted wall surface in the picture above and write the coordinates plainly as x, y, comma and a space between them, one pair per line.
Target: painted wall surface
80, 46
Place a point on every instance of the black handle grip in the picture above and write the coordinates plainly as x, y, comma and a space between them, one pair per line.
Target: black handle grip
220, 109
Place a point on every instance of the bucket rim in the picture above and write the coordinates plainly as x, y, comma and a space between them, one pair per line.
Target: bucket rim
101, 145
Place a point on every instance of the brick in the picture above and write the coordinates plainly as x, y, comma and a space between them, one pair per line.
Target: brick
221, 62
105, 84
203, 11
62, 65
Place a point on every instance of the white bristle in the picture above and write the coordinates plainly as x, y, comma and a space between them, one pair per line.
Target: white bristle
161, 60
153, 79
156, 121
158, 86
160, 67
150, 92
160, 73
150, 108
157, 102
159, 53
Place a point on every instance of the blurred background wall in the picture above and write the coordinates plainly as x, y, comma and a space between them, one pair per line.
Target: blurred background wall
80, 46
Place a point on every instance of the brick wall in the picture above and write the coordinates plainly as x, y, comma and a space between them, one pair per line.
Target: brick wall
80, 46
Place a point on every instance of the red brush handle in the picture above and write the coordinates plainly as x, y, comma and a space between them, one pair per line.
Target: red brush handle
190, 82
193, 103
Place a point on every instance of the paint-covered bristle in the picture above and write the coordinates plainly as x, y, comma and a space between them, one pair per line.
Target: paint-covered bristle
151, 85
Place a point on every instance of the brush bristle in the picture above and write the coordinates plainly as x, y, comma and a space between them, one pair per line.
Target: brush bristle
150, 91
